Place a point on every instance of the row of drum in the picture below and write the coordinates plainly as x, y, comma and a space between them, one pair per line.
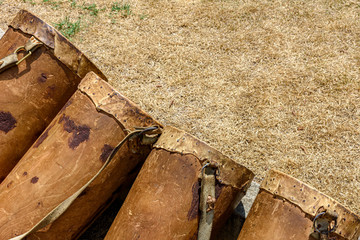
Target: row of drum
69, 142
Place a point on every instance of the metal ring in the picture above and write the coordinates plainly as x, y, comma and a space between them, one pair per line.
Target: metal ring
325, 231
20, 48
148, 129
140, 132
203, 167
217, 171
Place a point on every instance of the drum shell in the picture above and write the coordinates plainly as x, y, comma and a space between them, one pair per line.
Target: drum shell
69, 152
163, 202
33, 92
285, 208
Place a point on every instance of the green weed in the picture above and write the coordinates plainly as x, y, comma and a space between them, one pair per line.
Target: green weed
54, 4
68, 28
123, 8
143, 16
29, 1
92, 8
73, 3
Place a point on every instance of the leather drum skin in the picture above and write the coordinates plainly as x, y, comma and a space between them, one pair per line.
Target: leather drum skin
285, 209
67, 155
33, 92
163, 202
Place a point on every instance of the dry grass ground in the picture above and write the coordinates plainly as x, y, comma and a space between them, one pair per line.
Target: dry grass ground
273, 84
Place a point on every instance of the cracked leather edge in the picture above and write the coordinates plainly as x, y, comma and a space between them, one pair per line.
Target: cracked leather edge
110, 101
63, 49
231, 173
309, 200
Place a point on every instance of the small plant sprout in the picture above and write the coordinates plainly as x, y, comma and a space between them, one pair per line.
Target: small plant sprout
123, 8
68, 28
93, 9
54, 4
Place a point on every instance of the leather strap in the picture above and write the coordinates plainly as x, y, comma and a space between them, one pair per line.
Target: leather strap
61, 208
207, 202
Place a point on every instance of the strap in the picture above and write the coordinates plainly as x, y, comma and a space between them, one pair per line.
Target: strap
12, 60
61, 208
207, 201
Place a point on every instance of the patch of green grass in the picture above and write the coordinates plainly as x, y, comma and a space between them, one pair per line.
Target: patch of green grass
54, 4
29, 1
73, 3
143, 16
92, 8
123, 8
68, 28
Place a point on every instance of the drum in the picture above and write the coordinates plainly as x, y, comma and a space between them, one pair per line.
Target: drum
39, 71
286, 208
165, 200
70, 152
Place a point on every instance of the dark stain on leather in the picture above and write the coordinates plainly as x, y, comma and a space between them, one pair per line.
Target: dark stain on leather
80, 133
194, 209
7, 122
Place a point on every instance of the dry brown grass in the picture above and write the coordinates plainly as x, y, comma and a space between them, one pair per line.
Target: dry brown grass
273, 84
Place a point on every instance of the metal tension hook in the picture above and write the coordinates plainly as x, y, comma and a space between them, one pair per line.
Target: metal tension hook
12, 60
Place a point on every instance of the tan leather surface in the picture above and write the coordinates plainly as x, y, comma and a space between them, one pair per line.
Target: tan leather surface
164, 200
231, 172
286, 207
272, 218
160, 203
31, 95
69, 152
108, 100
33, 92
63, 49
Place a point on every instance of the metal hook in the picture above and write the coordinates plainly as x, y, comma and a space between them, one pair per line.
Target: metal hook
25, 57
